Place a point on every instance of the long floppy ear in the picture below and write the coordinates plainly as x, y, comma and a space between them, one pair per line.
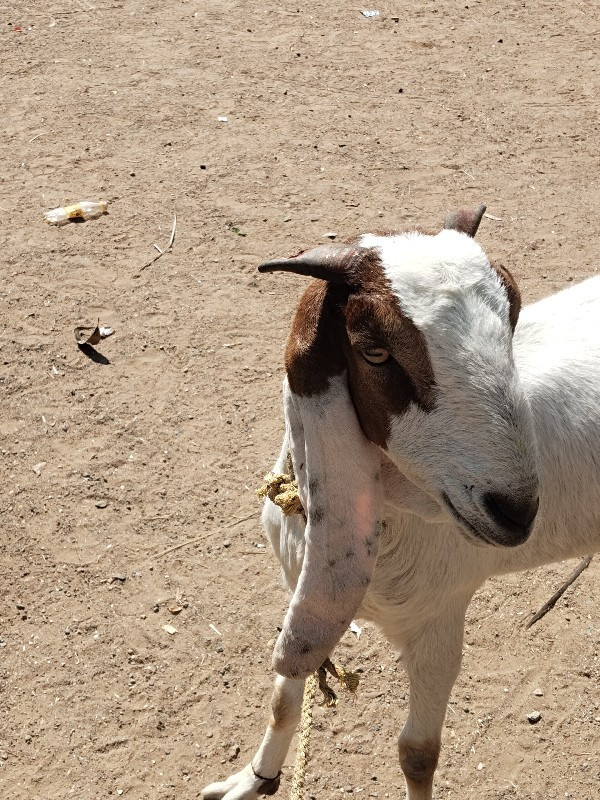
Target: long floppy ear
339, 482
465, 220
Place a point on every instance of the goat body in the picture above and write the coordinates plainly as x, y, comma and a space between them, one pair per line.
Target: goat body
413, 523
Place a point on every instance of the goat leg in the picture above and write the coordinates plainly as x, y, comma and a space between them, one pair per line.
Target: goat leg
261, 775
432, 661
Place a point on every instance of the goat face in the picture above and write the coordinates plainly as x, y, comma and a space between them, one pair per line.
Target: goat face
416, 330
466, 434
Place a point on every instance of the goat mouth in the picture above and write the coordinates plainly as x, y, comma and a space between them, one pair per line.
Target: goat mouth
468, 530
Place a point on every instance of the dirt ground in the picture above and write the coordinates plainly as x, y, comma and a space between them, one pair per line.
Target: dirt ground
146, 460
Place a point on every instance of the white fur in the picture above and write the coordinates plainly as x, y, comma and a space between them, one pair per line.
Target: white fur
521, 414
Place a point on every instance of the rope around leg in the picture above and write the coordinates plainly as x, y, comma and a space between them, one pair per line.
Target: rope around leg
302, 752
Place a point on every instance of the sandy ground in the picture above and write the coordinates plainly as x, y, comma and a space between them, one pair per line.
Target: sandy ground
148, 458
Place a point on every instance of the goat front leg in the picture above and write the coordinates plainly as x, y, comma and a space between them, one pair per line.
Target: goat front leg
432, 660
261, 775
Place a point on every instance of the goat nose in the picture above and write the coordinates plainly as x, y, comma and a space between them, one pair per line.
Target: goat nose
514, 516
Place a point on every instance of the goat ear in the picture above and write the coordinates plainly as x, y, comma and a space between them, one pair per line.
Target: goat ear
465, 220
512, 290
339, 482
329, 262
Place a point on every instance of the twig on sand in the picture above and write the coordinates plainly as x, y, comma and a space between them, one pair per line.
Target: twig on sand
74, 11
184, 544
549, 604
161, 252
243, 519
86, 10
202, 538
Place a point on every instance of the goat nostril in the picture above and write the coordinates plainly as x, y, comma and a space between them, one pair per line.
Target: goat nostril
511, 513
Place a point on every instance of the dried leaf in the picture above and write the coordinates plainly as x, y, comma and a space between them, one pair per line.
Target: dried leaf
100, 332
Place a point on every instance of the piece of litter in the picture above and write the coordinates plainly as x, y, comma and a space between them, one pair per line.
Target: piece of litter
366, 13
223, 119
212, 627
87, 209
37, 468
100, 332
356, 629
170, 629
236, 229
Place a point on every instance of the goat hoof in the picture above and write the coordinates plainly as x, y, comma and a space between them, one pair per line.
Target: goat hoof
244, 785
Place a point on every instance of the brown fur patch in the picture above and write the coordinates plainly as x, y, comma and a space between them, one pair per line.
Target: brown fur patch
418, 761
283, 709
333, 324
314, 351
512, 290
380, 392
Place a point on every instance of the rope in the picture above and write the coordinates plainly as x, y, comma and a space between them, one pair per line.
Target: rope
306, 716
349, 681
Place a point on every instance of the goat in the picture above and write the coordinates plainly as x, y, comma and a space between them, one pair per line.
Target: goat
436, 442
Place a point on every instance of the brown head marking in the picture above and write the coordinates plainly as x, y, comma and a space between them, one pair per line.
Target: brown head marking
338, 318
512, 290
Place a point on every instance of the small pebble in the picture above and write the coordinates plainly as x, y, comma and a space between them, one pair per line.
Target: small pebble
331, 235
534, 717
226, 543
538, 693
101, 504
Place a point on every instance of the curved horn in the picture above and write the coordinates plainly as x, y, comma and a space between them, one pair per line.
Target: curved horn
329, 262
465, 220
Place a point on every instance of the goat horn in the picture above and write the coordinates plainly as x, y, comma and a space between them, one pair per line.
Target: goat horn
465, 220
329, 262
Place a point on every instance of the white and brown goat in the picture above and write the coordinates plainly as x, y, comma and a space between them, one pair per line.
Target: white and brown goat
436, 442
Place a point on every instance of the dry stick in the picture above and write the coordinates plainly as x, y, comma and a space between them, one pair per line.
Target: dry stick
201, 538
74, 11
549, 604
184, 544
80, 11
161, 252
243, 519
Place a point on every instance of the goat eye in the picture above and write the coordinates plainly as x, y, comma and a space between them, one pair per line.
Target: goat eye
376, 355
